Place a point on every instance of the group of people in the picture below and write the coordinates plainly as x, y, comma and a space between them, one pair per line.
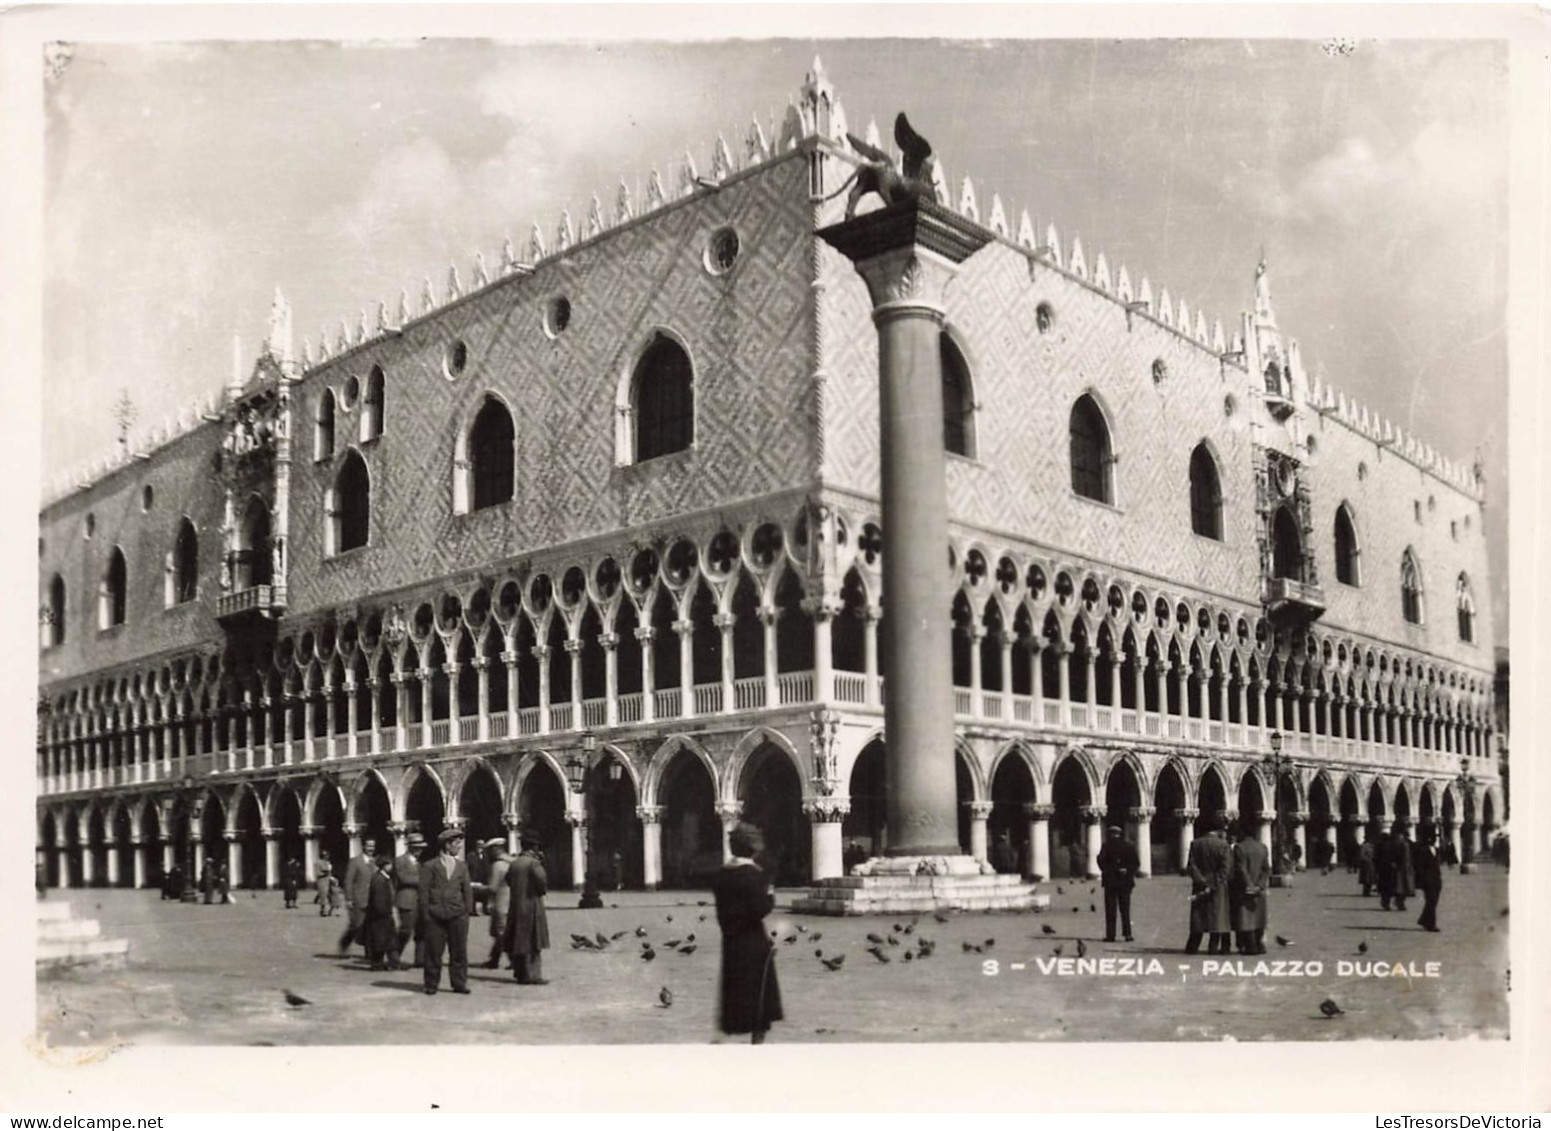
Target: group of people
214, 882
1400, 868
1228, 885
428, 900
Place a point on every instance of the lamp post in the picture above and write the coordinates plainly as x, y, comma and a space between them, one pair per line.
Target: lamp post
1277, 764
576, 767
194, 808
1466, 782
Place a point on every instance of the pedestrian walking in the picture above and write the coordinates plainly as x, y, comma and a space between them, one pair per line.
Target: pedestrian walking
1368, 863
1393, 863
1248, 881
324, 887
446, 902
497, 897
377, 927
207, 880
527, 936
223, 883
750, 997
1118, 865
406, 898
358, 886
1209, 864
1427, 867
291, 880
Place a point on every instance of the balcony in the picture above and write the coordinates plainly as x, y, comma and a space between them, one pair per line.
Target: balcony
258, 600
1291, 603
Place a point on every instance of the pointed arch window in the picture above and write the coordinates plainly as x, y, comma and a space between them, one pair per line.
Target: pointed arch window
372, 406
662, 400
252, 556
183, 576
54, 613
492, 455
323, 433
1286, 546
1092, 460
1465, 605
1205, 494
1347, 572
958, 400
1410, 588
112, 597
349, 506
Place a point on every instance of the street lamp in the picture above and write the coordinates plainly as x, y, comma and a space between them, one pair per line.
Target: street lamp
1277, 764
576, 767
1466, 782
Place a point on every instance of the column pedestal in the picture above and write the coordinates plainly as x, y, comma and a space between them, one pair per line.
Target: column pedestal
825, 817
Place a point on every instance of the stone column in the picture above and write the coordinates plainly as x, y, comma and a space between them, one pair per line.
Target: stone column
272, 859
610, 644
648, 675
482, 685
1093, 837
977, 634
541, 657
578, 825
1275, 701
1451, 830
309, 715
729, 812
823, 647
354, 833
651, 845
724, 622
873, 694
512, 825
768, 617
513, 727
1300, 823
1161, 687
141, 861
401, 713
233, 859
426, 675
112, 855
1037, 684
686, 631
825, 817
1142, 815
1004, 640
1064, 674
1039, 838
88, 864
1115, 698
908, 253
979, 813
574, 649
1187, 833
1264, 828
1090, 686
169, 861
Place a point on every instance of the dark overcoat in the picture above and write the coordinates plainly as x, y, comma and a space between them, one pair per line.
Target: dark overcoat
1209, 865
527, 928
1247, 885
381, 932
750, 995
1394, 867
1426, 868
1119, 864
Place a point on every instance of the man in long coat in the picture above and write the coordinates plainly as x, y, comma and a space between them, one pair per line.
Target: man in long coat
446, 902
1209, 865
1247, 884
1428, 870
377, 927
1118, 864
527, 933
406, 898
1394, 867
497, 897
358, 887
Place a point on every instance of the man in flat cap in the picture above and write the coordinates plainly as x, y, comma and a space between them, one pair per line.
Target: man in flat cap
497, 897
1118, 864
1209, 864
527, 932
446, 901
406, 898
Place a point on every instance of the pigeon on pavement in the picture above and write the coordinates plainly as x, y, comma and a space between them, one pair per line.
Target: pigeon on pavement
648, 954
877, 952
1047, 929
672, 943
1082, 948
640, 932
665, 995
1282, 941
939, 916
689, 949
1058, 950
295, 999
1362, 947
876, 940
1329, 1008
602, 939
835, 963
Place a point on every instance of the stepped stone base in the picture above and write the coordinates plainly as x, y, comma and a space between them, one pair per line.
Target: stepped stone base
69, 944
889, 885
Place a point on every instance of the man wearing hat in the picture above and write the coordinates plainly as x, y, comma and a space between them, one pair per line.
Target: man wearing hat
1428, 872
1118, 864
406, 898
1394, 868
358, 887
527, 933
1209, 863
446, 901
497, 897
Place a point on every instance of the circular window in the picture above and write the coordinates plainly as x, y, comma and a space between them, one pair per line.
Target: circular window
557, 316
147, 497
721, 251
1229, 405
457, 357
1045, 317
91, 525
350, 393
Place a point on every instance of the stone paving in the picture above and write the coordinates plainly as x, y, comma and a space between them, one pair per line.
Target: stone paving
216, 975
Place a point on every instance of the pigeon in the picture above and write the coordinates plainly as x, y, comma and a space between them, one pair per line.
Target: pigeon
295, 999
648, 954
877, 952
1329, 1008
701, 903
640, 932
1076, 910
1092, 890
817, 935
1058, 950
893, 941
1093, 907
1082, 948
1060, 890
1282, 941
818, 952
691, 937
602, 940
690, 949
1047, 929
876, 940
908, 956
1504, 911
939, 916
990, 943
672, 944
895, 928
789, 939
801, 929
968, 946
1362, 947
576, 938
909, 927
617, 935
835, 963
702, 918
665, 995
670, 918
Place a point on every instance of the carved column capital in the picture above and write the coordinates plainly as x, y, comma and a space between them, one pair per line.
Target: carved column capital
1036, 811
1187, 814
826, 810
979, 810
1091, 814
729, 811
1143, 812
649, 814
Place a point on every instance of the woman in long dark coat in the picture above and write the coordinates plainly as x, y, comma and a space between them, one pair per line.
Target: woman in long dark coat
750, 995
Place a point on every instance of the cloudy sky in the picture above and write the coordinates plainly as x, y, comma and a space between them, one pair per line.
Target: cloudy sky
184, 182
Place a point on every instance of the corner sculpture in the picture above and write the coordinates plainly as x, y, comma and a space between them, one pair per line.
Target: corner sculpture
879, 175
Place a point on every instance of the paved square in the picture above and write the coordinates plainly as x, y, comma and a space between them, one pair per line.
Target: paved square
217, 975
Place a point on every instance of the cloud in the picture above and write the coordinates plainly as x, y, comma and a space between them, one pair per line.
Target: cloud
408, 185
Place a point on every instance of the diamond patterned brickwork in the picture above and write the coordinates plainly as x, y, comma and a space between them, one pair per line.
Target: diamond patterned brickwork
747, 332
182, 481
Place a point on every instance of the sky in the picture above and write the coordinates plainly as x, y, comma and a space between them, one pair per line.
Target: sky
184, 182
